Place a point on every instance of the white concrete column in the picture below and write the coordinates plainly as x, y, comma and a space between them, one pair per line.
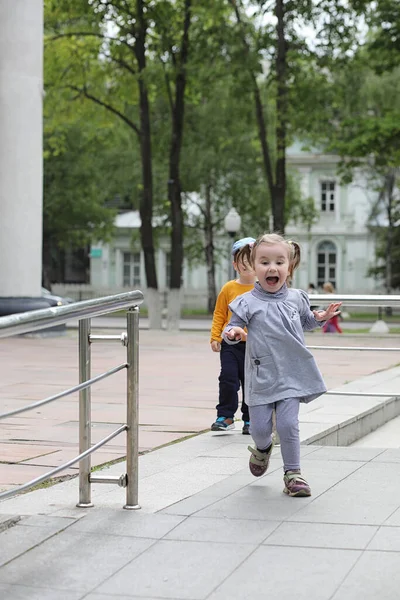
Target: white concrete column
305, 173
21, 98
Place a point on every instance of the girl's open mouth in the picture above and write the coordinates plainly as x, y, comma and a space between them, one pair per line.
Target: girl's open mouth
272, 280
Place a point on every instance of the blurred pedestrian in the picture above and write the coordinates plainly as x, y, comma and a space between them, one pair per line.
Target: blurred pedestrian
232, 357
331, 326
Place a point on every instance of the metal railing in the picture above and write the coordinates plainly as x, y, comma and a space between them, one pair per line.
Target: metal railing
84, 311
374, 301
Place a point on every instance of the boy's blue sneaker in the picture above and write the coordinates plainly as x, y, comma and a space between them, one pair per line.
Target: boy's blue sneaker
246, 428
223, 424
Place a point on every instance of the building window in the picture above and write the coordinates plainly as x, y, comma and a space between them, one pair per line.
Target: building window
326, 264
328, 196
131, 272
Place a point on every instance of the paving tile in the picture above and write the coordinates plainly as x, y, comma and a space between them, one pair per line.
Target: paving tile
239, 531
127, 523
23, 592
19, 474
58, 457
179, 482
97, 596
209, 495
233, 450
81, 561
346, 453
214, 465
256, 503
322, 535
47, 521
391, 455
365, 498
13, 452
375, 576
386, 538
191, 505
344, 405
394, 519
189, 570
324, 418
287, 573
21, 538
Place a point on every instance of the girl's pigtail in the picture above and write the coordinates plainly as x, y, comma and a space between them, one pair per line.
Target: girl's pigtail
295, 256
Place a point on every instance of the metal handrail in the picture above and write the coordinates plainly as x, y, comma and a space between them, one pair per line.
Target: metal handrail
68, 392
83, 311
357, 299
73, 461
59, 315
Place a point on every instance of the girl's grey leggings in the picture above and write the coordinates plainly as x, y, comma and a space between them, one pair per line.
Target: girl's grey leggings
287, 426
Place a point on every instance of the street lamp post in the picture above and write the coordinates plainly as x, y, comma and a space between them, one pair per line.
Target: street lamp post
232, 223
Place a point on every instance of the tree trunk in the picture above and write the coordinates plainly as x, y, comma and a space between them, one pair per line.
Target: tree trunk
174, 184
209, 253
390, 182
46, 261
276, 184
146, 201
281, 115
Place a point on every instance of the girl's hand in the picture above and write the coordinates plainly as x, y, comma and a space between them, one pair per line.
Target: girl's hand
215, 346
331, 311
237, 334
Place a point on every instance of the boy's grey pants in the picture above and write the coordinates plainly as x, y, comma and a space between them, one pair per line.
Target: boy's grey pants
287, 426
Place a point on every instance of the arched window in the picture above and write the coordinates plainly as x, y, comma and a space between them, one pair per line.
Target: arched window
326, 263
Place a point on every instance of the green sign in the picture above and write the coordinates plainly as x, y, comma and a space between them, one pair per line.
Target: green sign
96, 253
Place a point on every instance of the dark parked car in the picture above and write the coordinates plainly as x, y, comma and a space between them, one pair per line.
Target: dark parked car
11, 306
59, 300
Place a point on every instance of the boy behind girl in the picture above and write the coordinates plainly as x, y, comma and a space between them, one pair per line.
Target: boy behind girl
231, 356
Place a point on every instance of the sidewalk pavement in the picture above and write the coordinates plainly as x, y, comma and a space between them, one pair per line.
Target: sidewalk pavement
178, 394
207, 529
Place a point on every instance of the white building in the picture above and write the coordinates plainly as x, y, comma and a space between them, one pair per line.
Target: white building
338, 248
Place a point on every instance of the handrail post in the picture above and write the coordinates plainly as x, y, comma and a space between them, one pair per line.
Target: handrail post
132, 409
84, 414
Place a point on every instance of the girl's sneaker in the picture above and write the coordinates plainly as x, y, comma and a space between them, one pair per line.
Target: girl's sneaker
223, 424
259, 461
295, 484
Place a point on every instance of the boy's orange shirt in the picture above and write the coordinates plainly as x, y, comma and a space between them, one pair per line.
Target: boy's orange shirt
222, 314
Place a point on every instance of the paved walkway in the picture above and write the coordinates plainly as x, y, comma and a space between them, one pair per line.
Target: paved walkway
207, 529
178, 393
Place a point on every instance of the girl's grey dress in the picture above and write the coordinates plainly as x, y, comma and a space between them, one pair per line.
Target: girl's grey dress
278, 366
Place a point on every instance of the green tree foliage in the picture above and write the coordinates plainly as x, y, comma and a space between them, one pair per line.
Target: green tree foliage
210, 94
279, 38
98, 51
360, 121
86, 165
383, 41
